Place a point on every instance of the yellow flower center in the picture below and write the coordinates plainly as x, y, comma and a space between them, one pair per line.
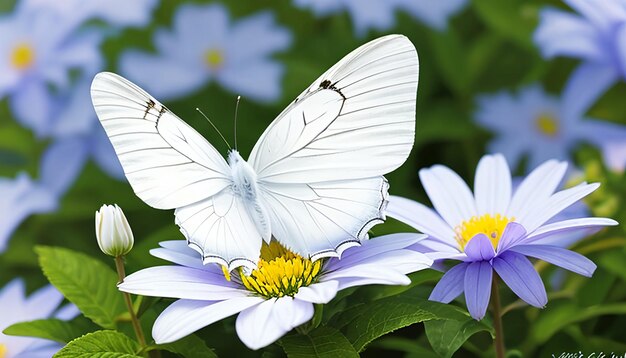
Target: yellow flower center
492, 226
547, 124
280, 272
3, 350
23, 56
214, 59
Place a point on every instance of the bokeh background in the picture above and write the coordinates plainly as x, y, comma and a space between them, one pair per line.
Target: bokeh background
534, 80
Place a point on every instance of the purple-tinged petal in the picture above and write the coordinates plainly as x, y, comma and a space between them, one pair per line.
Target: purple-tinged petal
62, 163
451, 284
477, 288
184, 317
104, 154
42, 303
367, 275
559, 256
321, 292
181, 282
520, 275
67, 312
421, 218
565, 226
513, 234
620, 41
479, 248
262, 325
492, 185
584, 86
34, 117
259, 79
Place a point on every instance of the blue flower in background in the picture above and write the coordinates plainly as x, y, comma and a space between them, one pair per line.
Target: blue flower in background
16, 307
615, 156
597, 35
380, 14
495, 228
203, 46
543, 126
114, 12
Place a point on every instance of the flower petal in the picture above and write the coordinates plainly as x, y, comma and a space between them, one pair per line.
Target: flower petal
585, 85
559, 256
479, 248
184, 317
321, 292
513, 234
492, 185
181, 282
477, 288
449, 194
366, 275
520, 275
565, 226
421, 218
451, 284
262, 325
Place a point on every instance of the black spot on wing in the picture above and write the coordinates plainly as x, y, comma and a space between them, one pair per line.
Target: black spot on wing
326, 84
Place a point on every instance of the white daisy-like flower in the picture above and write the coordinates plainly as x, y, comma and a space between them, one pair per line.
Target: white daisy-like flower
273, 299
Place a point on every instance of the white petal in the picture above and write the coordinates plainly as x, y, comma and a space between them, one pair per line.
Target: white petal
367, 274
449, 194
536, 189
184, 317
262, 325
321, 292
492, 185
181, 282
567, 225
555, 204
420, 217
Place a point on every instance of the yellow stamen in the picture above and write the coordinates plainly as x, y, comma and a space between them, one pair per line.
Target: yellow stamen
3, 351
226, 272
492, 226
280, 272
547, 124
214, 58
23, 56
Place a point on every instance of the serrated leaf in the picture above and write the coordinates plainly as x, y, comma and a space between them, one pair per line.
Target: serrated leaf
52, 329
372, 320
190, 347
100, 344
447, 336
320, 342
88, 283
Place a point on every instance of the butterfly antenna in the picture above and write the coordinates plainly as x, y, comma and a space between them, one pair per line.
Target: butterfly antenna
214, 127
236, 110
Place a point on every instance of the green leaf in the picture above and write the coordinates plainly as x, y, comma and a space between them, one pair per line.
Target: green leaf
88, 283
446, 336
53, 329
100, 344
370, 321
320, 342
191, 347
513, 19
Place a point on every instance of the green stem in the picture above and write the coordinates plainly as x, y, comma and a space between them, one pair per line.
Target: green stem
119, 265
497, 318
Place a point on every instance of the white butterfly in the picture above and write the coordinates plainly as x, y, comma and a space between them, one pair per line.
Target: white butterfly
313, 180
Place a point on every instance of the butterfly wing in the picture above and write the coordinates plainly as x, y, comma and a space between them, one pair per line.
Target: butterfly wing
171, 166
320, 163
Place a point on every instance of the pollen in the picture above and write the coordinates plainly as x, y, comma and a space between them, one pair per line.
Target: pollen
23, 56
547, 124
280, 272
491, 226
214, 58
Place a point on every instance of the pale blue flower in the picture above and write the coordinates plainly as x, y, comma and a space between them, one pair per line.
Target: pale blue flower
615, 156
16, 307
543, 126
596, 35
380, 14
495, 228
205, 45
272, 302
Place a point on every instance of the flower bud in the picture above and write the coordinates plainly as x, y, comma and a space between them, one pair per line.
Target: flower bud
112, 231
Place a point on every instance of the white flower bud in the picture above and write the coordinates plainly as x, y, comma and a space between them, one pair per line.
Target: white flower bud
112, 231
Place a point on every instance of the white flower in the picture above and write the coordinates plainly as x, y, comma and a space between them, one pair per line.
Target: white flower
273, 299
113, 232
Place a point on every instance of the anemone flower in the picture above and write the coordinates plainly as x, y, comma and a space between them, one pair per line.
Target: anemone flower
496, 229
272, 299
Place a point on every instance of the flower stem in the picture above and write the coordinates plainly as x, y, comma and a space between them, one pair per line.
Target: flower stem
119, 265
497, 318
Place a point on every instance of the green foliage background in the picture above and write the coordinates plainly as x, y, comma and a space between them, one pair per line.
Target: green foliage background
487, 48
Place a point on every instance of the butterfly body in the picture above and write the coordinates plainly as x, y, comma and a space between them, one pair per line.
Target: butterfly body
314, 179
